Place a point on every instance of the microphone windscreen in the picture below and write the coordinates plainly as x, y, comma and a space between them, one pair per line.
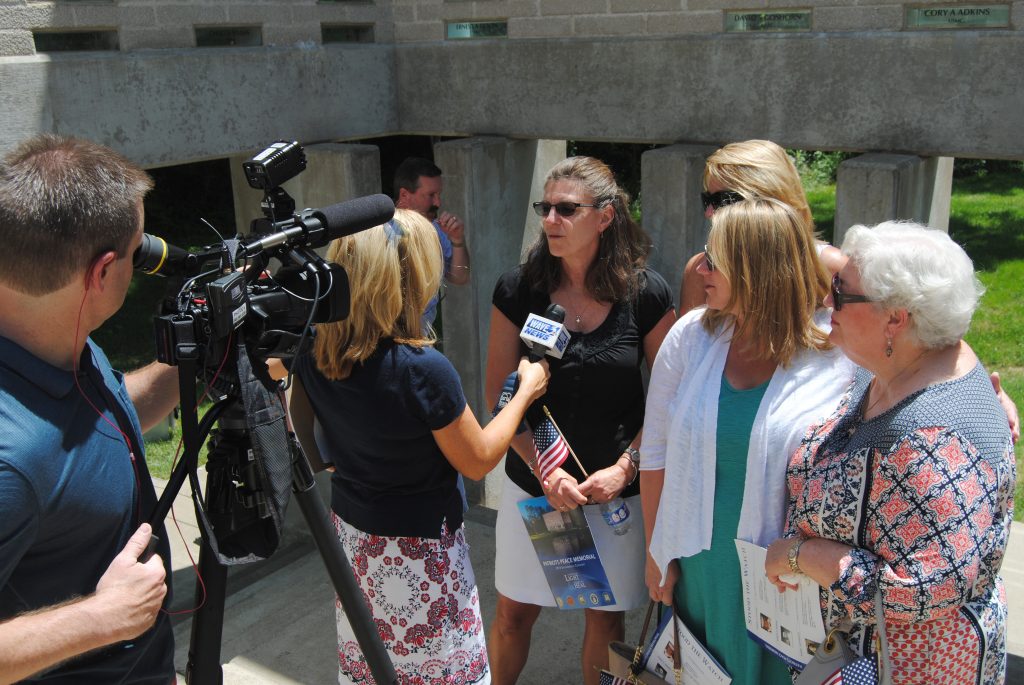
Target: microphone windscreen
346, 218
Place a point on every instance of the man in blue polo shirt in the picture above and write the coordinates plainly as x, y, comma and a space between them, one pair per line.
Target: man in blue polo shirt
76, 603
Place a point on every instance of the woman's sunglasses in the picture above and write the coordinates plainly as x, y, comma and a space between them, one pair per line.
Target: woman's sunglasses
840, 299
565, 209
708, 264
720, 199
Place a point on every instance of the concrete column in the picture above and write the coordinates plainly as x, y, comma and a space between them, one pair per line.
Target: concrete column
672, 212
489, 182
335, 172
877, 187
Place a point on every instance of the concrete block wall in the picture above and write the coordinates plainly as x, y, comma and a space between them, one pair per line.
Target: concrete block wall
161, 24
597, 18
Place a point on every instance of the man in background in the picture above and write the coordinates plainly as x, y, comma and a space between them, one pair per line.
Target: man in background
418, 185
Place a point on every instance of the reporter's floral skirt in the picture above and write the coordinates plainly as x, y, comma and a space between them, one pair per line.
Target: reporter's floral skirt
422, 595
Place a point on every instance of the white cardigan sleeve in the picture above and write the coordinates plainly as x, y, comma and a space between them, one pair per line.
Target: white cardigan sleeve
666, 374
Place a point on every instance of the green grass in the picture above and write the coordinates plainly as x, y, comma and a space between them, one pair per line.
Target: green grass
987, 218
161, 454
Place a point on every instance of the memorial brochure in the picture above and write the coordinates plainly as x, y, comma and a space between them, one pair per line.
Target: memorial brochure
699, 667
567, 553
787, 623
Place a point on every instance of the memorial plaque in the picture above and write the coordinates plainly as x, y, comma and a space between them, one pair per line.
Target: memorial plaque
459, 30
777, 20
959, 17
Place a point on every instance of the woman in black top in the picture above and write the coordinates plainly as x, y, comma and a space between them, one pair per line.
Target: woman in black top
590, 259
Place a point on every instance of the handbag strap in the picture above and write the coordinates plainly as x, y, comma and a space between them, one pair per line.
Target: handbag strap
677, 660
884, 671
635, 667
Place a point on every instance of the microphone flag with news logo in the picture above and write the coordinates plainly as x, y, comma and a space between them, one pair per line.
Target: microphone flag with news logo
550, 447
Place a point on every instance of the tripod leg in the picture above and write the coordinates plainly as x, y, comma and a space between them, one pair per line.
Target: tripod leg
208, 621
340, 571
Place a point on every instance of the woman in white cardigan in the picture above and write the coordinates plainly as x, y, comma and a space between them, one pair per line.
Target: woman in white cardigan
732, 391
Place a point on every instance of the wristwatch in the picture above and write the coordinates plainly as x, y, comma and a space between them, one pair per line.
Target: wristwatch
794, 552
634, 456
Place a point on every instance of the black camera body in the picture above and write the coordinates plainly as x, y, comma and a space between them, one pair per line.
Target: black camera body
226, 287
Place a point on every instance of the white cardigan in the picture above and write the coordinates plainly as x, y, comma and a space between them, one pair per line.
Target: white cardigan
681, 424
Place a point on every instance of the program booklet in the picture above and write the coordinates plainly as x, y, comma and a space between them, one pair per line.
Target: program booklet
787, 623
698, 666
567, 553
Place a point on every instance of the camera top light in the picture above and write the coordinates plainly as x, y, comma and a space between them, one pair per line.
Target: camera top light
281, 161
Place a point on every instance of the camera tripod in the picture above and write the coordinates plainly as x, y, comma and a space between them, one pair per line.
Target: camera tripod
230, 460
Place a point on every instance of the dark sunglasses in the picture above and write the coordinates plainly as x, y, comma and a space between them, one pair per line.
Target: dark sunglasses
839, 299
720, 199
565, 209
708, 264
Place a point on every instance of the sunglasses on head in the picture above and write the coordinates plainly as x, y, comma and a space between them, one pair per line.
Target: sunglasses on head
565, 209
720, 199
840, 299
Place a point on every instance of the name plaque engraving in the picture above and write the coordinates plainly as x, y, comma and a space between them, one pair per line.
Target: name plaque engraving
461, 30
779, 20
958, 17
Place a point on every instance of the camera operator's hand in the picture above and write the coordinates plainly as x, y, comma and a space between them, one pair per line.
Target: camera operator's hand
533, 377
130, 592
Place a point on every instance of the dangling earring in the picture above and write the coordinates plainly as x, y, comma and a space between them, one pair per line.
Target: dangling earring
888, 347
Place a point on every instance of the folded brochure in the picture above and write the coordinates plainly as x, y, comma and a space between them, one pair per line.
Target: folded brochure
567, 553
788, 623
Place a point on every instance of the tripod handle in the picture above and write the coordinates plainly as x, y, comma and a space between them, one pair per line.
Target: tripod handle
150, 550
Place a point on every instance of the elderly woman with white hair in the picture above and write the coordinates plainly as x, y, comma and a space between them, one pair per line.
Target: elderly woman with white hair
906, 491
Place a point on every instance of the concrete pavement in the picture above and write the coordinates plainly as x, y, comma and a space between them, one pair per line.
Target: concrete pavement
279, 624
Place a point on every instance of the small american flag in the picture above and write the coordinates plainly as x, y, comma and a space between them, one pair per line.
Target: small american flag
552, 450
861, 672
609, 679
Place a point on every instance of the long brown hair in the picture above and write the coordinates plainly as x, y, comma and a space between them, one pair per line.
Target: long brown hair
760, 246
614, 275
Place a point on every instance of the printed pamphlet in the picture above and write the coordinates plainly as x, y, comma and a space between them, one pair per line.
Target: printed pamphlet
698, 666
787, 623
568, 555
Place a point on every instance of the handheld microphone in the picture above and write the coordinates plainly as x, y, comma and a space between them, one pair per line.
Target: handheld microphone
546, 334
507, 391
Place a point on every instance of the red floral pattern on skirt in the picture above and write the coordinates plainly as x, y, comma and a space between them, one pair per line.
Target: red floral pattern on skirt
423, 598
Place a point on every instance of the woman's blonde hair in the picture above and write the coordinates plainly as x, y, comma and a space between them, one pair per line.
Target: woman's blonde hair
760, 246
761, 168
393, 272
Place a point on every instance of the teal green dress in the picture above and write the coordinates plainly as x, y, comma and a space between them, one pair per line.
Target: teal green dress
708, 595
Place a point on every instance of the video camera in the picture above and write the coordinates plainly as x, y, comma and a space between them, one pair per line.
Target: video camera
227, 318
226, 287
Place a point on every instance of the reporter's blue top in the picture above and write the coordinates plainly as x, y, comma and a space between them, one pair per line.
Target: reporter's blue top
390, 476
68, 503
